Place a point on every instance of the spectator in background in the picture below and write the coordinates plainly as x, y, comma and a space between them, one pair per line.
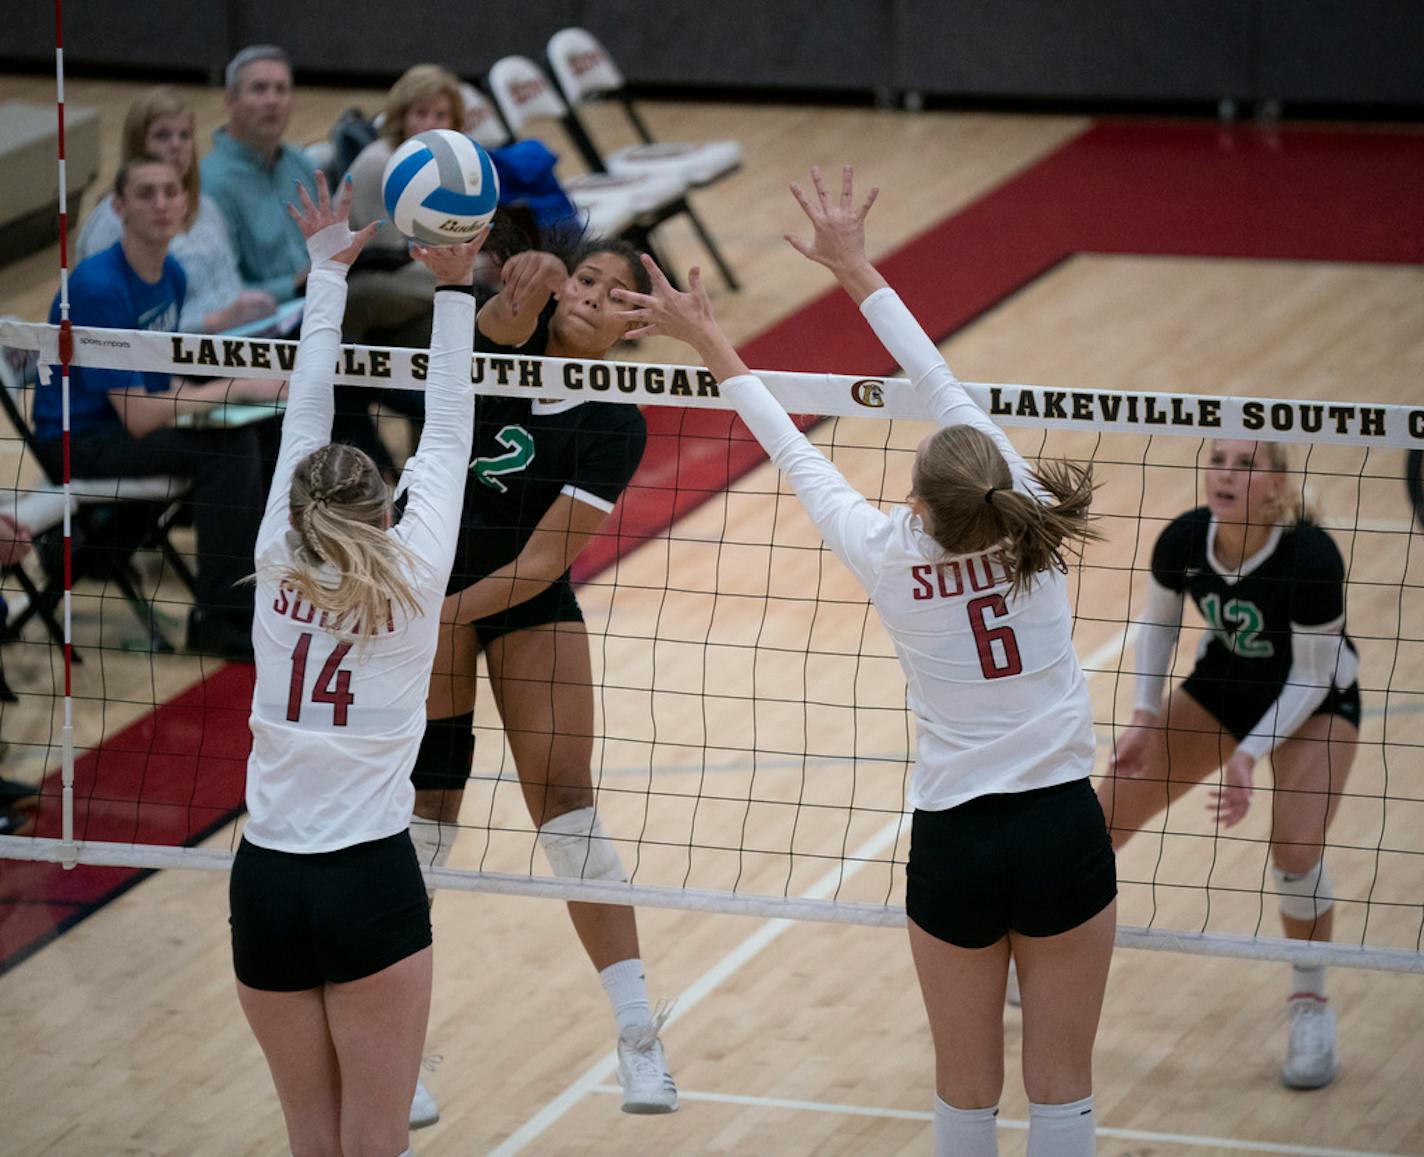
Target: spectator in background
160, 124
251, 172
390, 294
122, 421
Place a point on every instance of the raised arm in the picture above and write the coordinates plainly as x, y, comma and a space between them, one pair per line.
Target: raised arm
527, 281
435, 476
838, 243
850, 525
307, 424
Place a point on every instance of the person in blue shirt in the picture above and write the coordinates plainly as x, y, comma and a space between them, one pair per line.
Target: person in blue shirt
122, 421
252, 173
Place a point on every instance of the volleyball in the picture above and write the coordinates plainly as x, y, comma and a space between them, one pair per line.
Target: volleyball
439, 187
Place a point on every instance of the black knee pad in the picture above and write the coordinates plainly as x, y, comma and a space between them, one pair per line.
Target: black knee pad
446, 753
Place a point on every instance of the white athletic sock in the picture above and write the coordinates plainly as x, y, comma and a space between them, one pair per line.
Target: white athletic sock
1061, 1130
965, 1132
627, 990
1308, 981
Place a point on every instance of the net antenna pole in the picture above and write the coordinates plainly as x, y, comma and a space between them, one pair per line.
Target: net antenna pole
66, 347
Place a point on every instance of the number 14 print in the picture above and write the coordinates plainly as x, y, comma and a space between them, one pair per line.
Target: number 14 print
333, 685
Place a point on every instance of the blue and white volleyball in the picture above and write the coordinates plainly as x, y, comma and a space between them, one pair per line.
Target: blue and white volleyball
439, 188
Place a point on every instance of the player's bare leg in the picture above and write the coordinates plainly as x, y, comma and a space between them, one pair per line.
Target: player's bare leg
542, 682
1311, 769
963, 991
292, 1029
1188, 747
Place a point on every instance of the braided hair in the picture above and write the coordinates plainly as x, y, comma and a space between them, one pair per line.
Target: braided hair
339, 506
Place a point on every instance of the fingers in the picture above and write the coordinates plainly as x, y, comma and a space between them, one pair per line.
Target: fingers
366, 234
869, 201
1229, 805
800, 246
473, 245
847, 182
819, 183
800, 194
661, 285
694, 282
632, 297
323, 195
343, 200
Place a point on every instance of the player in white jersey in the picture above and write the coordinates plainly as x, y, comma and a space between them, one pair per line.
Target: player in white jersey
330, 927
1009, 852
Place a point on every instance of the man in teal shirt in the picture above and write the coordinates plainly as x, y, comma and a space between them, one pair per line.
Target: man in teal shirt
252, 174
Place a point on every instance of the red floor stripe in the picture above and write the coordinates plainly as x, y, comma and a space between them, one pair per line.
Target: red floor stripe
1120, 187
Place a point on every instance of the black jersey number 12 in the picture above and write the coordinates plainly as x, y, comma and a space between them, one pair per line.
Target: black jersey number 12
333, 685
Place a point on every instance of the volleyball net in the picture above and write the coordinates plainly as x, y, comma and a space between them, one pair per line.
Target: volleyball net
752, 745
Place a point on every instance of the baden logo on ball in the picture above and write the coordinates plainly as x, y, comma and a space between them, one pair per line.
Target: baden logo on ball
440, 187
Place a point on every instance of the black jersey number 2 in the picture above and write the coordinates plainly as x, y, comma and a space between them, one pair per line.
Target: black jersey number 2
986, 636
333, 685
520, 446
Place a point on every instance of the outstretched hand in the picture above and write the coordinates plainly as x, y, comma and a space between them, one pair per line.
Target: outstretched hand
315, 219
1230, 802
838, 238
531, 276
666, 312
452, 264
687, 317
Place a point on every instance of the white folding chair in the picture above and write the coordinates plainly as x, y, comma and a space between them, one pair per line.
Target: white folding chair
605, 213
585, 71
523, 93
40, 506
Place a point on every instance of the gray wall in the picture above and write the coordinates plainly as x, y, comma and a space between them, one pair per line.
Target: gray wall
1344, 52
1107, 49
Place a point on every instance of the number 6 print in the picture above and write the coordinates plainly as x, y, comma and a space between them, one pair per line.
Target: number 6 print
986, 636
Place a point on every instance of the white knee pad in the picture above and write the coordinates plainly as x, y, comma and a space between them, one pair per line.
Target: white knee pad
578, 848
1307, 896
433, 840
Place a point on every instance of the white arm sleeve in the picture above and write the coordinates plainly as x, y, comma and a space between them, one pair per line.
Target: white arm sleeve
1315, 657
850, 525
906, 341
1157, 632
434, 478
306, 425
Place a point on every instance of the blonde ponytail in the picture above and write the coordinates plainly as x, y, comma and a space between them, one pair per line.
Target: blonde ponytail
969, 492
339, 505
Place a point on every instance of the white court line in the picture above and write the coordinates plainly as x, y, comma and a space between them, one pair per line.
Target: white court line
1186, 1139
733, 962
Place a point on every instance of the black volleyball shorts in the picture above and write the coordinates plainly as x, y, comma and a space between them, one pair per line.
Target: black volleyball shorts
1038, 863
303, 920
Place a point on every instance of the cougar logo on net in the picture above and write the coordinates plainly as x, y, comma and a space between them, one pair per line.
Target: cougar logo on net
867, 392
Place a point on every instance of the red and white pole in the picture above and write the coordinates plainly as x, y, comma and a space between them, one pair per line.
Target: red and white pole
66, 350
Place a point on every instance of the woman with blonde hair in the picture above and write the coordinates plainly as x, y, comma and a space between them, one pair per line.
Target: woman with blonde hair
330, 928
1009, 853
1275, 674
389, 300
160, 124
